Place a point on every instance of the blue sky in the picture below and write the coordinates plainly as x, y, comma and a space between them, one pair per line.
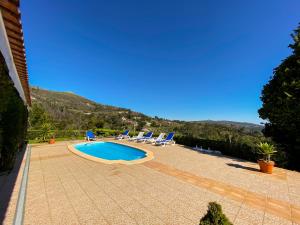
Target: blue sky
189, 60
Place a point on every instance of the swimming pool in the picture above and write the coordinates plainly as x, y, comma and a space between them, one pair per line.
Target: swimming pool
109, 152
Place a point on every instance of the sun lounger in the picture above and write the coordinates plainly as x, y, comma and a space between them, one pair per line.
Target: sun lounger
90, 136
159, 138
167, 140
146, 137
124, 135
134, 138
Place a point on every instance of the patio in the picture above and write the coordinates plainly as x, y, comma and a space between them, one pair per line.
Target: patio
173, 188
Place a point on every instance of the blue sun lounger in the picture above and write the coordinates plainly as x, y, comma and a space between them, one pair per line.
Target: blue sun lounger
124, 135
146, 137
167, 140
159, 138
90, 136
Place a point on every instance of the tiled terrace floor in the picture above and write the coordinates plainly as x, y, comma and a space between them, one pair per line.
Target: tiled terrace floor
173, 188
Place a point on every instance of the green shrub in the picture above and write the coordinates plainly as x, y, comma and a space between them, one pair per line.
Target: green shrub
106, 132
13, 119
240, 149
214, 216
38, 135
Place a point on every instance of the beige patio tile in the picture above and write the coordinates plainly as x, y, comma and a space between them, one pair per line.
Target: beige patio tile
161, 210
187, 210
62, 215
174, 188
270, 219
239, 221
111, 211
37, 213
251, 215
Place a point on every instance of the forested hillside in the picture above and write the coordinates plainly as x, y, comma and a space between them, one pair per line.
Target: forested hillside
67, 115
67, 110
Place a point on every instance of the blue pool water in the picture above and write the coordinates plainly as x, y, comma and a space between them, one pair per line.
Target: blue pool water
110, 151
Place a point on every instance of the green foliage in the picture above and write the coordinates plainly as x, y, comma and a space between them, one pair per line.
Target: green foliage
266, 150
106, 132
235, 148
38, 135
13, 119
141, 125
40, 119
281, 108
38, 116
46, 132
99, 124
68, 111
41, 135
214, 216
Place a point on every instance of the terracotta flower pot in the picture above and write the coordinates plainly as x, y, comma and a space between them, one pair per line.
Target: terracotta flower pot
266, 167
52, 141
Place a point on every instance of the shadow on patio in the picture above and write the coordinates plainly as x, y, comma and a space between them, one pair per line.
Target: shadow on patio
239, 166
7, 185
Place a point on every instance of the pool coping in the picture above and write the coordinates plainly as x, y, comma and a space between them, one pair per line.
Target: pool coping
149, 155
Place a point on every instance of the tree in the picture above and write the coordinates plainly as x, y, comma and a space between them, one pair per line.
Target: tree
99, 124
46, 131
141, 125
281, 104
214, 216
37, 116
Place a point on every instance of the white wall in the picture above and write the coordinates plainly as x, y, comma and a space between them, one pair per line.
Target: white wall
6, 52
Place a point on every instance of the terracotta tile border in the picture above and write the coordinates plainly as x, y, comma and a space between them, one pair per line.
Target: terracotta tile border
149, 155
276, 207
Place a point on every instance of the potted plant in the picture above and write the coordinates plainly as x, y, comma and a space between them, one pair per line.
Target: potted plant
46, 133
52, 139
266, 150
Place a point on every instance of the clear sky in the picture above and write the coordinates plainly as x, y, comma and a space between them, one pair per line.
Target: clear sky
189, 60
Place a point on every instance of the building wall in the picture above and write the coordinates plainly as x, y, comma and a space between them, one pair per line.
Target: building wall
6, 52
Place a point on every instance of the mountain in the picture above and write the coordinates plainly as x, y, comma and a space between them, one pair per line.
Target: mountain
245, 125
70, 111
69, 101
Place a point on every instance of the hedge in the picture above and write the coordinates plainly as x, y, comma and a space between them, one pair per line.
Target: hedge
13, 119
37, 134
236, 149
106, 132
72, 134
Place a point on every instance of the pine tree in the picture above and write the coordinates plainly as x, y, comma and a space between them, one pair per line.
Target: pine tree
214, 216
281, 104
